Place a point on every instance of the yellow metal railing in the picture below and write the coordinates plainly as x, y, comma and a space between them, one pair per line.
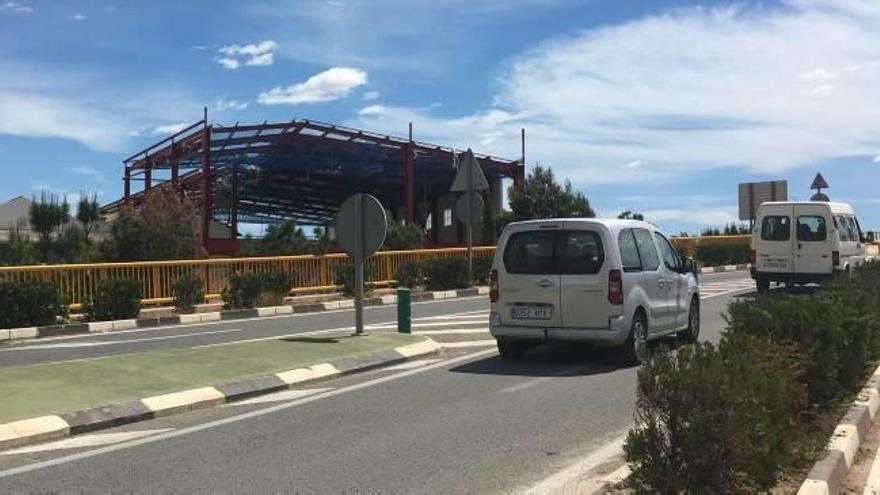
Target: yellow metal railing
310, 273
689, 244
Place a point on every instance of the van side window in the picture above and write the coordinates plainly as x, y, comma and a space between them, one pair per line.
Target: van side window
647, 250
776, 228
667, 252
811, 228
853, 229
845, 228
629, 253
580, 253
530, 253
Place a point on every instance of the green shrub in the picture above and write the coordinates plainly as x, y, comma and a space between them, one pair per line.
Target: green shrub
188, 290
728, 420
251, 290
715, 254
404, 236
482, 266
445, 273
714, 420
345, 278
410, 275
114, 300
29, 304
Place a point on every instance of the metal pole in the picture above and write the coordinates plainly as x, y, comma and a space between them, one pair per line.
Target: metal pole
470, 218
359, 269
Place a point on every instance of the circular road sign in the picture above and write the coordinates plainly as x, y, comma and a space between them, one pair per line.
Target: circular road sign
360, 225
477, 205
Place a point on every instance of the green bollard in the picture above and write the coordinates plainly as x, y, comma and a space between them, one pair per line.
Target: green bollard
404, 311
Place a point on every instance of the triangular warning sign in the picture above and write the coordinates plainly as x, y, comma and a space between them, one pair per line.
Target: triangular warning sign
469, 167
819, 183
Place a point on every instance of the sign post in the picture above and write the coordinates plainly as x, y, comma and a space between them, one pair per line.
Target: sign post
360, 231
469, 179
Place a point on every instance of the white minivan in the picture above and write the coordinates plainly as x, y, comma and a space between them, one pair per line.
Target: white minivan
804, 242
606, 282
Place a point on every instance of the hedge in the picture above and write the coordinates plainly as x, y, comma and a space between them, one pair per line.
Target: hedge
114, 300
188, 290
445, 273
729, 419
29, 304
251, 290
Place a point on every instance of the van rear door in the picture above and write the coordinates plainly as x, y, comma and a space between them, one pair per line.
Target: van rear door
528, 280
584, 277
774, 239
813, 245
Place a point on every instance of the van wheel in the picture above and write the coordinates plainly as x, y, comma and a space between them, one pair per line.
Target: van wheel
635, 349
763, 285
510, 349
692, 333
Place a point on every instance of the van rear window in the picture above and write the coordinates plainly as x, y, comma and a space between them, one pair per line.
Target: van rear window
811, 228
569, 252
776, 228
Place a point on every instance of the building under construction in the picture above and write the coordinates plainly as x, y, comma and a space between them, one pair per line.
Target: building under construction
303, 170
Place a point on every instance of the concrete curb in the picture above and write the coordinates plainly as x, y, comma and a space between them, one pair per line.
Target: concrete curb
51, 427
829, 473
16, 334
724, 268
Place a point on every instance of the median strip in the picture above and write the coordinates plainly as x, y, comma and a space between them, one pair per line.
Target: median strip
137, 387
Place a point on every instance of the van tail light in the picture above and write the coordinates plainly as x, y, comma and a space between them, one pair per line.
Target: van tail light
615, 287
835, 258
493, 286
753, 257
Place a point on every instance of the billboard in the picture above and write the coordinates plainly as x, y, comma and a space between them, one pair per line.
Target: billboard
752, 194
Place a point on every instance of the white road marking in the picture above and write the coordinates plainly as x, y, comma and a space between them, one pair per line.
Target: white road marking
481, 321
21, 346
453, 332
234, 419
594, 459
455, 316
470, 343
409, 365
279, 397
95, 440
99, 343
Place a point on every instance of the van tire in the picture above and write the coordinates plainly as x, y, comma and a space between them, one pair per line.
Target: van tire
510, 350
691, 334
635, 350
763, 285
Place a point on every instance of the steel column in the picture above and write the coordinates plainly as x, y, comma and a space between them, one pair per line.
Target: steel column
127, 181
207, 183
233, 206
148, 177
409, 181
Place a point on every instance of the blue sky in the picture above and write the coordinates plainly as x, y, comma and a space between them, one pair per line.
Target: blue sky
660, 107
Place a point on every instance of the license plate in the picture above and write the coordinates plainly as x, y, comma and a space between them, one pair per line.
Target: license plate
777, 263
531, 312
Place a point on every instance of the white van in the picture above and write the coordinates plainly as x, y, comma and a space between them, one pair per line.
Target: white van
607, 282
804, 242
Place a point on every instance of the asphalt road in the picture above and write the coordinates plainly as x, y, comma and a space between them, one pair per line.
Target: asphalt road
460, 422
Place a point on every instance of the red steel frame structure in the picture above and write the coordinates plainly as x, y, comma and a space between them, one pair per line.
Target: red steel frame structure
205, 156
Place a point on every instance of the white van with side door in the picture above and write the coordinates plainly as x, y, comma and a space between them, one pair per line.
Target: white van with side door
804, 242
607, 282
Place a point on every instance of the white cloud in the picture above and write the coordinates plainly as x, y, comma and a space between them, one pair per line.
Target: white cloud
16, 8
877, 159
223, 105
702, 216
371, 110
169, 128
89, 171
262, 53
371, 95
634, 164
691, 89
79, 17
332, 84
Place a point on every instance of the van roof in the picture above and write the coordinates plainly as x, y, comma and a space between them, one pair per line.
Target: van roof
612, 223
836, 206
